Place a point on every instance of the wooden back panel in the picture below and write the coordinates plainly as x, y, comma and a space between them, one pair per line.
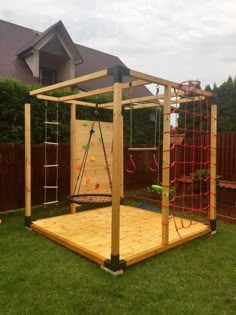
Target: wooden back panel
95, 177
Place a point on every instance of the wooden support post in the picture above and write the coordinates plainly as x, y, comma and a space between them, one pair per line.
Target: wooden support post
72, 153
116, 169
27, 165
166, 166
122, 158
213, 169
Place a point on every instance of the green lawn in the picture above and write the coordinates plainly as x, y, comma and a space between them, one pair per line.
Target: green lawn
38, 276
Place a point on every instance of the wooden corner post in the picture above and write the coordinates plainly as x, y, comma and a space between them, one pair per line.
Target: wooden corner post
213, 169
72, 153
115, 264
116, 174
166, 166
27, 165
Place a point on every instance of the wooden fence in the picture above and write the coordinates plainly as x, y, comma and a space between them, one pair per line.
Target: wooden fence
12, 169
12, 174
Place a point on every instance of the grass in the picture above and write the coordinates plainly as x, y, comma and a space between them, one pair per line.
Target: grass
38, 276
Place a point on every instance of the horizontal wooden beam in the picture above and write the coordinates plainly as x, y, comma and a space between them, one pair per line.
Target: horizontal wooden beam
86, 94
161, 103
129, 101
72, 82
57, 99
134, 83
153, 79
143, 105
188, 100
101, 91
143, 99
47, 98
90, 104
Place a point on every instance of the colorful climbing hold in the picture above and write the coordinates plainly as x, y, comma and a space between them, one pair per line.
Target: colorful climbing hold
88, 180
85, 123
85, 145
100, 138
92, 158
78, 166
97, 186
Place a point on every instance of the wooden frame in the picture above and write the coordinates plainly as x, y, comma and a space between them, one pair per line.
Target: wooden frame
135, 79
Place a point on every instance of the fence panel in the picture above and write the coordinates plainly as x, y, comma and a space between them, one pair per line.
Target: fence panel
12, 170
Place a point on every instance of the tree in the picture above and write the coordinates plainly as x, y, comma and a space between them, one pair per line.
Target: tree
12, 95
226, 101
12, 99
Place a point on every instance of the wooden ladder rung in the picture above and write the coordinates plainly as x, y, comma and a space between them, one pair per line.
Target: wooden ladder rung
51, 123
53, 143
51, 165
50, 187
50, 202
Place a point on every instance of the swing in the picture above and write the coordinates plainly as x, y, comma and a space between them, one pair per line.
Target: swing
91, 199
130, 166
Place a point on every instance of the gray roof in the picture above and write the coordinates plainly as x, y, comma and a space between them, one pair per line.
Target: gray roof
15, 40
12, 39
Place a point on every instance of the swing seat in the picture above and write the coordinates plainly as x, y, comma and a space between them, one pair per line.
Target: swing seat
91, 199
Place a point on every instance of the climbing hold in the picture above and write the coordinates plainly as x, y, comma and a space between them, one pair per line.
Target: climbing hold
100, 138
78, 167
85, 145
92, 158
97, 186
85, 123
88, 180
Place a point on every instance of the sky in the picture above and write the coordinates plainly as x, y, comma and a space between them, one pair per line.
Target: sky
176, 40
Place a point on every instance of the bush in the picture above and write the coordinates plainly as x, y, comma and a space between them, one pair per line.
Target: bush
12, 100
201, 178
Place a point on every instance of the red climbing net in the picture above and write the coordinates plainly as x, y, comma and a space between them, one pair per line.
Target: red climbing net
190, 160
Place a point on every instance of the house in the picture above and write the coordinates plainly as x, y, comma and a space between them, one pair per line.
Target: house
51, 56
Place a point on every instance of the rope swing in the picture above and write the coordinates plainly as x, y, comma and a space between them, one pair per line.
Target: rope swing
153, 167
130, 166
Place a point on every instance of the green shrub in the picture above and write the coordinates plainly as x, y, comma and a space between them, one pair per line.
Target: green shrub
201, 178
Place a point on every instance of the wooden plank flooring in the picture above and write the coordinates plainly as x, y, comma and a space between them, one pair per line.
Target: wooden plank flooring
89, 233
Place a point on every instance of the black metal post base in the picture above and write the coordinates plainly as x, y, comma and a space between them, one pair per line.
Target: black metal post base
115, 264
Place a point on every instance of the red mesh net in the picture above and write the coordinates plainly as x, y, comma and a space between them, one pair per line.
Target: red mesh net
190, 160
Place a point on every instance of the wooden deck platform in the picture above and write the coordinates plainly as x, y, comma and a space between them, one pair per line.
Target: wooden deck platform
89, 233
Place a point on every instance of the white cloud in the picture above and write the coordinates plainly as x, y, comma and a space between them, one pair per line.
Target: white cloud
174, 39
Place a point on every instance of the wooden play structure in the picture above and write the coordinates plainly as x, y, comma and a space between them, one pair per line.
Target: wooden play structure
117, 235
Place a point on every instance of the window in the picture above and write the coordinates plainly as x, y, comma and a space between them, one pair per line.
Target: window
47, 76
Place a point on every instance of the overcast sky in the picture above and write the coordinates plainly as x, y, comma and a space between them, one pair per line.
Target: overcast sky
173, 39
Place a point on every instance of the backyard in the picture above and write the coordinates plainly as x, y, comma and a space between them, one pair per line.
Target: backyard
38, 276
